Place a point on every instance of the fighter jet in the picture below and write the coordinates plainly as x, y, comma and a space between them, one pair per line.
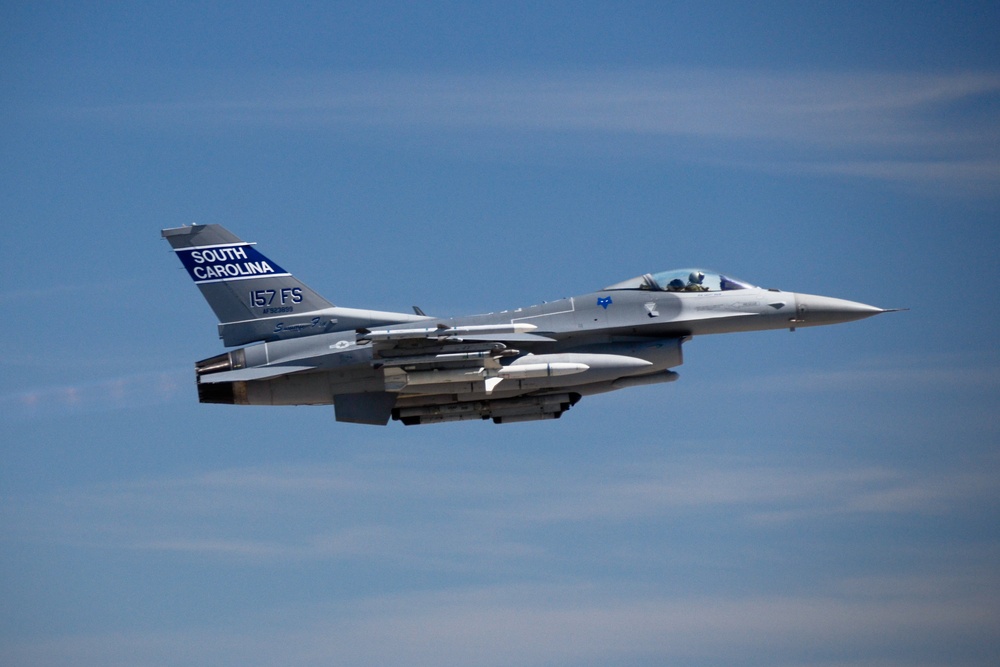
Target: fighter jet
517, 365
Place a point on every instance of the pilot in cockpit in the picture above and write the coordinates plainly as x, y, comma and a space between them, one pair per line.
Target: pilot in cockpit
683, 280
695, 281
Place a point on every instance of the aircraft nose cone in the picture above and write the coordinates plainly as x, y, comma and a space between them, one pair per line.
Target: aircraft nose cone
815, 310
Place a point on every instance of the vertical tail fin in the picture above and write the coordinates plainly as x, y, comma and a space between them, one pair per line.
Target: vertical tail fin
253, 297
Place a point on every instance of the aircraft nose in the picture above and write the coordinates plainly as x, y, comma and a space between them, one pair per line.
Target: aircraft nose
816, 310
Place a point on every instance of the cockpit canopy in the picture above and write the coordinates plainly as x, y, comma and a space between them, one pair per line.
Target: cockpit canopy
682, 280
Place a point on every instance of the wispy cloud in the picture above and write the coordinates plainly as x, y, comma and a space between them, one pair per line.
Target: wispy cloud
762, 495
909, 127
568, 625
391, 511
138, 390
818, 108
514, 593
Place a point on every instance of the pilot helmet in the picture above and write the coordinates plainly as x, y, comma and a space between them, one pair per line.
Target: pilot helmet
696, 277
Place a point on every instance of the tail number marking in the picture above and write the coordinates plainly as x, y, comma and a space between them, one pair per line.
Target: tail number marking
262, 298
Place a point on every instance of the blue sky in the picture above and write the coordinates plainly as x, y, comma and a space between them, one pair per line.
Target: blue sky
828, 497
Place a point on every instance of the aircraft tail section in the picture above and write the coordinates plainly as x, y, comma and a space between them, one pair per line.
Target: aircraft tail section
254, 298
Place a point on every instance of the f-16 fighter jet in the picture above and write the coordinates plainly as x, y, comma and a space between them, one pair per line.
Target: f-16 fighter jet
513, 366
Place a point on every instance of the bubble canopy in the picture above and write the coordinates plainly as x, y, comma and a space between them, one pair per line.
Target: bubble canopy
683, 280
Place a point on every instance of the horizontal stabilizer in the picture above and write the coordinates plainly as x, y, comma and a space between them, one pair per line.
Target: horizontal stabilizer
246, 374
